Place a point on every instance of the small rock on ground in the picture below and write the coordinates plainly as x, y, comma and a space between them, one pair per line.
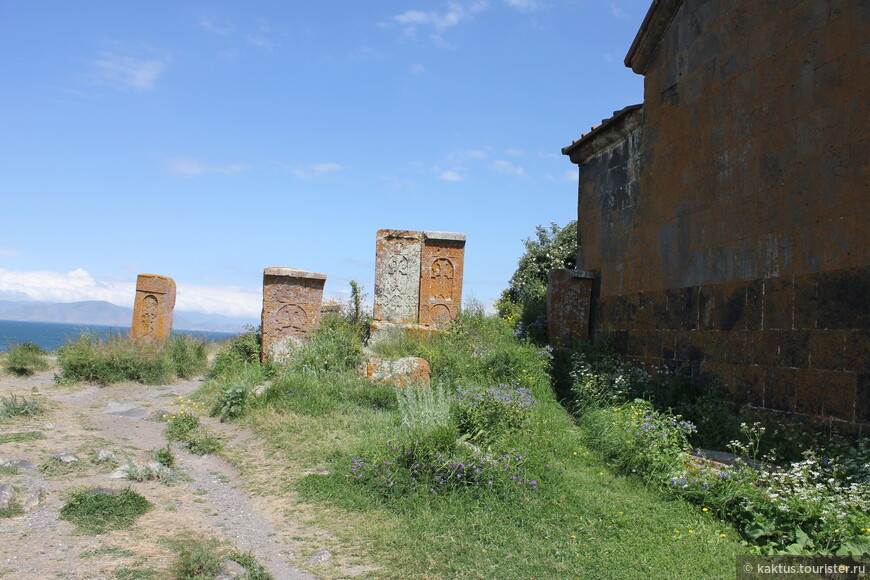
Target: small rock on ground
319, 557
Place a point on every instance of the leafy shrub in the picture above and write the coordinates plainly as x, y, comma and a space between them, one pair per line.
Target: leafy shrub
239, 352
164, 456
488, 413
231, 402
183, 426
197, 559
25, 359
599, 378
97, 513
524, 302
334, 347
12, 406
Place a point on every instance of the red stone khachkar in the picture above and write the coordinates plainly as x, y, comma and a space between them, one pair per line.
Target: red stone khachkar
152, 308
441, 266
291, 306
569, 297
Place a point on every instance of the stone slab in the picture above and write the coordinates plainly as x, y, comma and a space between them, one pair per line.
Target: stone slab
441, 268
403, 372
397, 275
152, 307
569, 299
291, 306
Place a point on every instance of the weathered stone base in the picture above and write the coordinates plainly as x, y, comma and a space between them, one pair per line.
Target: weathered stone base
403, 372
386, 331
797, 343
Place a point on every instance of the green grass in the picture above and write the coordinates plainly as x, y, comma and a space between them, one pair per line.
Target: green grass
202, 558
107, 551
25, 359
97, 513
118, 359
579, 520
20, 437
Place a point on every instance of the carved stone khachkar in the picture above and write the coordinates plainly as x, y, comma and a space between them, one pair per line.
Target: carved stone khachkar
152, 309
418, 277
569, 297
291, 307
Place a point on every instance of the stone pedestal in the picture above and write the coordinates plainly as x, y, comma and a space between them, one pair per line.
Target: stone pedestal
569, 299
152, 308
291, 307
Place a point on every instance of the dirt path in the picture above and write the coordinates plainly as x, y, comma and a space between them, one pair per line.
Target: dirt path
119, 421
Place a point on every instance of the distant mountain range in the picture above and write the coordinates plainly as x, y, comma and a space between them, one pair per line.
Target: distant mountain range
107, 314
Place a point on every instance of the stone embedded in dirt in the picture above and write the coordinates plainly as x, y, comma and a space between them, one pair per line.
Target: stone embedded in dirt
7, 495
107, 456
124, 409
65, 458
230, 569
319, 557
160, 415
403, 372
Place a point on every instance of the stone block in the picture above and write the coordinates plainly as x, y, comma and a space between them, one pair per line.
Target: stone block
441, 266
397, 276
402, 373
569, 296
152, 309
291, 307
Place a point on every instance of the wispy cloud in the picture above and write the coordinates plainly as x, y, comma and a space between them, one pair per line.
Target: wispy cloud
8, 252
568, 175
618, 12
474, 154
524, 5
504, 166
439, 21
417, 69
185, 167
215, 28
127, 73
316, 169
79, 285
450, 175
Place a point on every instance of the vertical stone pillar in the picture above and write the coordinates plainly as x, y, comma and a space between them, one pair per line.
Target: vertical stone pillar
291, 307
569, 300
397, 276
152, 308
441, 266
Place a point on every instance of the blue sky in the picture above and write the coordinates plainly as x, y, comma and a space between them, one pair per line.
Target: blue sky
209, 140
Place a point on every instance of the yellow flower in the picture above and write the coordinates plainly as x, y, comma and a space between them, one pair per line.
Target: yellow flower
600, 473
705, 510
575, 453
573, 537
691, 531
676, 531
721, 535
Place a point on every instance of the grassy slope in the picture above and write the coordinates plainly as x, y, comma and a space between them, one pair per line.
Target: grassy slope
588, 522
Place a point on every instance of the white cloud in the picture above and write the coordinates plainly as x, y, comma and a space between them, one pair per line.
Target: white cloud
455, 13
417, 69
504, 166
186, 167
8, 252
450, 175
78, 285
260, 41
617, 11
568, 175
524, 5
514, 152
126, 73
315, 170
477, 154
215, 28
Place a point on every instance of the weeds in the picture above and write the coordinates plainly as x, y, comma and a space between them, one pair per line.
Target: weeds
20, 437
119, 359
25, 359
97, 513
12, 406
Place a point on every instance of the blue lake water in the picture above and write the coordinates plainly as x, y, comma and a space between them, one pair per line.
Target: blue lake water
51, 335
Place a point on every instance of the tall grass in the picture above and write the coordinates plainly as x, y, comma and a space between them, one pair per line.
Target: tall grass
25, 359
91, 358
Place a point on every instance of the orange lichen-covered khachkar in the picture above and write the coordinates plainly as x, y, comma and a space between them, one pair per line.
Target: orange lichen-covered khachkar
152, 309
441, 266
291, 306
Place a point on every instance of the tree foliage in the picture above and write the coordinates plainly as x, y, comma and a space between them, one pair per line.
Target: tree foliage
524, 302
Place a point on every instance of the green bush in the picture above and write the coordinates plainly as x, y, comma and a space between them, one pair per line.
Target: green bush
334, 347
487, 414
524, 302
25, 359
231, 402
12, 406
238, 352
188, 355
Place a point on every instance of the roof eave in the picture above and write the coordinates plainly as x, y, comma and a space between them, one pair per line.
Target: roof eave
652, 29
